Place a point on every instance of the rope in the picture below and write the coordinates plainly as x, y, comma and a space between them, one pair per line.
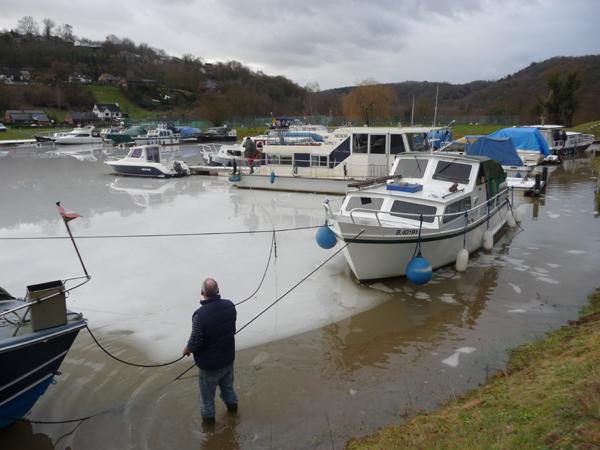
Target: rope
282, 296
154, 235
127, 362
273, 248
56, 422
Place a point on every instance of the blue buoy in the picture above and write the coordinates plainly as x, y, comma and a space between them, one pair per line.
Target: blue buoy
235, 178
419, 270
326, 238
272, 180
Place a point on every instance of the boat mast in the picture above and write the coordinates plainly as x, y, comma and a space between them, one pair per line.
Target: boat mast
437, 91
412, 113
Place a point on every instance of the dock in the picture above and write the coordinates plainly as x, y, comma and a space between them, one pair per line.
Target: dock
16, 142
211, 170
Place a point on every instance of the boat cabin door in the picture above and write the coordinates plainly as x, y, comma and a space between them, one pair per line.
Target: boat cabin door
153, 154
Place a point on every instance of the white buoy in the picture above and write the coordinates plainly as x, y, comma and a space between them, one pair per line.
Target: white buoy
510, 220
516, 215
488, 240
462, 260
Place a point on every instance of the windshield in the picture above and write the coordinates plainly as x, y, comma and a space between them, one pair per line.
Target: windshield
452, 171
411, 168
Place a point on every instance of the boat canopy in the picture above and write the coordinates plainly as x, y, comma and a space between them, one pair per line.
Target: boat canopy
186, 132
524, 138
498, 149
439, 137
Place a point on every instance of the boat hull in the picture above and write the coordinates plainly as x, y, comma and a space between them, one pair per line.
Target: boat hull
28, 368
384, 252
294, 184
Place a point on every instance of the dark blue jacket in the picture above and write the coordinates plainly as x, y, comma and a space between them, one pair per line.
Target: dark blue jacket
213, 333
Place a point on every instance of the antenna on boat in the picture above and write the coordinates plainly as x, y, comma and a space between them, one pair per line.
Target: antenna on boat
67, 217
437, 91
412, 113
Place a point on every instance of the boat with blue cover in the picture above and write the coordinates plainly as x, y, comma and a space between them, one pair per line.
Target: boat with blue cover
36, 333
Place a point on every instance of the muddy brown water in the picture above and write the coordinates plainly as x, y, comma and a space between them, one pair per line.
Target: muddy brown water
336, 359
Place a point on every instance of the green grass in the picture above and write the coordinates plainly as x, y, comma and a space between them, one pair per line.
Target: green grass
461, 130
23, 133
112, 94
549, 397
589, 128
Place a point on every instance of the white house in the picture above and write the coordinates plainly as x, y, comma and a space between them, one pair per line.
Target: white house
107, 111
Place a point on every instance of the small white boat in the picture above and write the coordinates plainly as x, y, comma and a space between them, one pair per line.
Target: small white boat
149, 161
562, 142
79, 135
438, 203
159, 136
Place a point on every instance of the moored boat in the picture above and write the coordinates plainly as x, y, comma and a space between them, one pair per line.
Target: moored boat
433, 202
327, 166
80, 135
149, 161
159, 136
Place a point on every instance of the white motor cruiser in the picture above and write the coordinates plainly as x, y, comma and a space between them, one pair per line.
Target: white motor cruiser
436, 204
78, 136
149, 161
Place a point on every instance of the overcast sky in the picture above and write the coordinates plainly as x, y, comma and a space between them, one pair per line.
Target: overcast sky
339, 43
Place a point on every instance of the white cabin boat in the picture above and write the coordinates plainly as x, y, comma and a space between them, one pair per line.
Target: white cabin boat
441, 201
159, 136
149, 161
78, 136
345, 155
563, 142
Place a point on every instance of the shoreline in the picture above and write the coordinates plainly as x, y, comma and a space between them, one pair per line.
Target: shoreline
548, 394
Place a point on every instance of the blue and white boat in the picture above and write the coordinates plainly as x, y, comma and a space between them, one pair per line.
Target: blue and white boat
149, 161
35, 335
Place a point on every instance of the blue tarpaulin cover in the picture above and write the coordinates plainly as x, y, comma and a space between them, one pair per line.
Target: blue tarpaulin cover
498, 149
439, 137
524, 138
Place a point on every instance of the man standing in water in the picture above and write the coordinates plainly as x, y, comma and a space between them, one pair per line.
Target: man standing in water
212, 342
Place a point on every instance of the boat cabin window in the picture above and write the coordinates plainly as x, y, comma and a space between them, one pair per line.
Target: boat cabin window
360, 143
318, 161
285, 160
302, 159
372, 203
272, 159
457, 209
452, 171
417, 141
411, 168
396, 144
378, 142
152, 154
135, 153
413, 211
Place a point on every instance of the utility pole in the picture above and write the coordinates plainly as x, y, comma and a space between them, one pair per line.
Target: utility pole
437, 91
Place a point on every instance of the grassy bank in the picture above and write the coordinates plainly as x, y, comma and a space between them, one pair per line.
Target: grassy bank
549, 397
112, 94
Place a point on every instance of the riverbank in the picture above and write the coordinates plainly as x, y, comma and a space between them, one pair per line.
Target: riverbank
548, 396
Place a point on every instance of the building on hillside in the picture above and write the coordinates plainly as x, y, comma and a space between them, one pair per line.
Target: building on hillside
107, 111
107, 78
26, 117
15, 76
77, 78
81, 118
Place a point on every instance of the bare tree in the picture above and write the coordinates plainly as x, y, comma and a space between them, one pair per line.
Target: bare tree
28, 25
67, 33
369, 101
48, 26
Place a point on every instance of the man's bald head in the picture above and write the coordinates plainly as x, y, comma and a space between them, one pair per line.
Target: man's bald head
210, 288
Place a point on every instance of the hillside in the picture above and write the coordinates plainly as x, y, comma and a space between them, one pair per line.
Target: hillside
60, 71
511, 98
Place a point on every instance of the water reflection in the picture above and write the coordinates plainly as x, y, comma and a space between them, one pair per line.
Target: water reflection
334, 359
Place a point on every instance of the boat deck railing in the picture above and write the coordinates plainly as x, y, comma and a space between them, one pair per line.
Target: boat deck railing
480, 211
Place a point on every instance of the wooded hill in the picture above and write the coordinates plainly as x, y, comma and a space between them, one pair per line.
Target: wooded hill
512, 98
161, 84
148, 77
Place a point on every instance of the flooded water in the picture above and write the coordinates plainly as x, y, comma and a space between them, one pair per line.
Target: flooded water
332, 360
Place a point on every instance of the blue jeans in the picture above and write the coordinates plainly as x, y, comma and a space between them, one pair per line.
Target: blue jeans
208, 382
